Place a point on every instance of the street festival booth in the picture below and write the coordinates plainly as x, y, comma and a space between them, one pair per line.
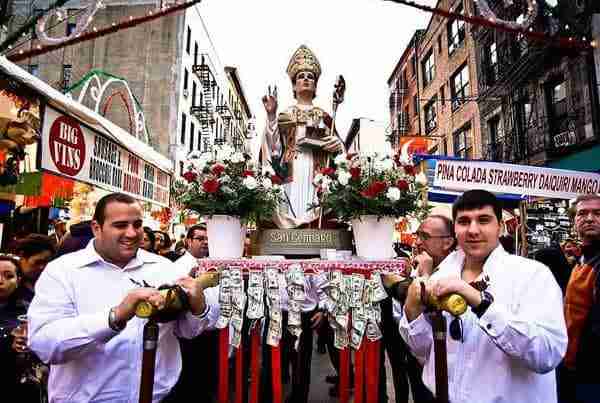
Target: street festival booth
540, 194
81, 155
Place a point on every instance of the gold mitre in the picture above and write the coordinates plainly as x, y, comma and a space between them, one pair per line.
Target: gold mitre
304, 60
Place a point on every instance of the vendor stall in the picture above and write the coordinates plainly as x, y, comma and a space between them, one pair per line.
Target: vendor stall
539, 195
80, 155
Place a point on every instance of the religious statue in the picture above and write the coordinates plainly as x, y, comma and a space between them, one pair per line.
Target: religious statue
299, 142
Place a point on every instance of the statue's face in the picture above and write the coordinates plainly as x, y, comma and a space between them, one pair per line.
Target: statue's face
305, 82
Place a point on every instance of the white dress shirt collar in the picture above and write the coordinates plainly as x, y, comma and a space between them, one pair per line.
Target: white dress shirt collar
90, 255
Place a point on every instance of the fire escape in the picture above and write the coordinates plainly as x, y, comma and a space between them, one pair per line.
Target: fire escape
508, 63
204, 110
225, 113
399, 123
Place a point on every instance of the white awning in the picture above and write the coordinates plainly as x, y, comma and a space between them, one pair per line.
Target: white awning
87, 116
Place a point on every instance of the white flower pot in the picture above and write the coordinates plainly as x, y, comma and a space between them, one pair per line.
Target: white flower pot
374, 237
226, 236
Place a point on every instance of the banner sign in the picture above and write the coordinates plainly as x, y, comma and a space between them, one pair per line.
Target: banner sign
77, 152
517, 179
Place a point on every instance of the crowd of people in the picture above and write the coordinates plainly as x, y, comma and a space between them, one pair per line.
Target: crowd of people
68, 323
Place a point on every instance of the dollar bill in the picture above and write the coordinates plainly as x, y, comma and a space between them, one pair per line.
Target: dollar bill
379, 293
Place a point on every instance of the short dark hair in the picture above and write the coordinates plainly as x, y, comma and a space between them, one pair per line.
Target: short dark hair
194, 228
476, 199
100, 212
15, 261
33, 244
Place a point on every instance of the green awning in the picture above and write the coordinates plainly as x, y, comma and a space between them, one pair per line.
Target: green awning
585, 160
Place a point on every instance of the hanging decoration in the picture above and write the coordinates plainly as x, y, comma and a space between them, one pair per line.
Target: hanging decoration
532, 13
83, 21
93, 90
568, 42
130, 22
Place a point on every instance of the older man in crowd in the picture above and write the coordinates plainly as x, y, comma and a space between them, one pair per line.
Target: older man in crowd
582, 308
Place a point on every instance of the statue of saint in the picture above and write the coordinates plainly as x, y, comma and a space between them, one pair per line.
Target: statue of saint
298, 142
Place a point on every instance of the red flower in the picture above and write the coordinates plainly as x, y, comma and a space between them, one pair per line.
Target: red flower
248, 173
211, 185
328, 171
402, 184
374, 189
190, 176
217, 169
410, 170
355, 172
276, 180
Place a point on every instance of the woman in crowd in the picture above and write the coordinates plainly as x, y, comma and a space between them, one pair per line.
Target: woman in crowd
149, 240
163, 246
11, 307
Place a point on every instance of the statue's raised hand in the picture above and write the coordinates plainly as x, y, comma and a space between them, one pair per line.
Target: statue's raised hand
270, 103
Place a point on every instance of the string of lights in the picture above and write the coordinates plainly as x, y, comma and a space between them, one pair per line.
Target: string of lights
95, 33
568, 42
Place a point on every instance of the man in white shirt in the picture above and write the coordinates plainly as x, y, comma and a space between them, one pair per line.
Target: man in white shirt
196, 247
513, 335
82, 319
204, 345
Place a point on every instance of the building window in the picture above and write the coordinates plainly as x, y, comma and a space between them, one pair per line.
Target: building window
183, 125
439, 41
416, 104
67, 73
414, 65
195, 52
70, 27
559, 99
495, 139
491, 58
34, 70
442, 96
456, 32
188, 41
186, 77
462, 142
428, 65
430, 115
180, 168
192, 136
194, 88
460, 87
445, 146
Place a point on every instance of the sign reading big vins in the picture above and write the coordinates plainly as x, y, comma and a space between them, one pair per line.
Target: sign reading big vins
517, 179
73, 150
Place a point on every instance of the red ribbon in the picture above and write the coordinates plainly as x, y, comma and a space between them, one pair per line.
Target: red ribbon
344, 375
372, 355
223, 391
276, 373
359, 374
254, 361
239, 371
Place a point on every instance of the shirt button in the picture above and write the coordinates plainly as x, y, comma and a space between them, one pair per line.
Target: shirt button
488, 326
